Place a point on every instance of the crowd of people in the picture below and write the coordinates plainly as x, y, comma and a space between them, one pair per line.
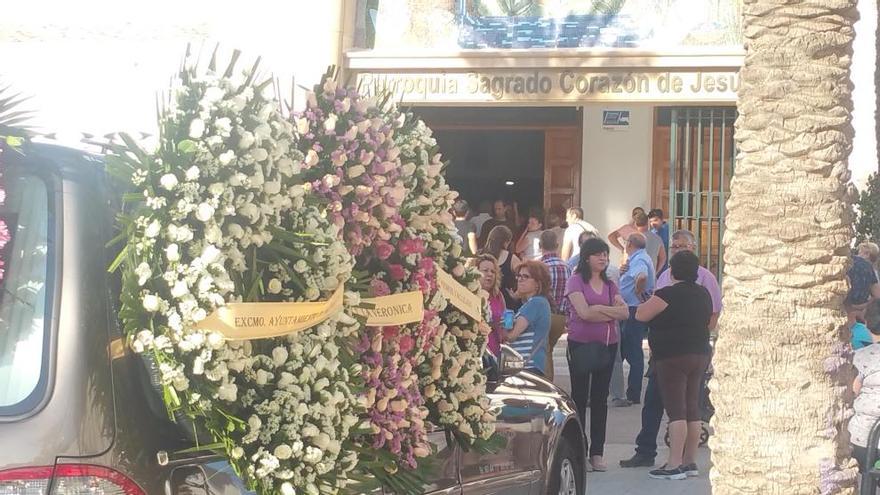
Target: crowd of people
560, 280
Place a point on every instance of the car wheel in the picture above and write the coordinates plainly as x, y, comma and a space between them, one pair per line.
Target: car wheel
567, 475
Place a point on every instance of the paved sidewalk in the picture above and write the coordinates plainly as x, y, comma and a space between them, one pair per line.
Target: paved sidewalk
623, 425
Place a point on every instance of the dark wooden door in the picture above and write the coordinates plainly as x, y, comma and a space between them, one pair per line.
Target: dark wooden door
562, 168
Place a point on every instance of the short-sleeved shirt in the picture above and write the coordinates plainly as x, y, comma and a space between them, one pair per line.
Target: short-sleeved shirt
639, 262
465, 227
861, 336
532, 343
861, 277
574, 231
580, 330
705, 278
867, 403
653, 245
533, 247
559, 273
683, 327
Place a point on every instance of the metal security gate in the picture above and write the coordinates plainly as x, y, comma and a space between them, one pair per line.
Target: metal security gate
701, 159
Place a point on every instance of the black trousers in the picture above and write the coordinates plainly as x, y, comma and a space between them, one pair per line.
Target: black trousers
593, 388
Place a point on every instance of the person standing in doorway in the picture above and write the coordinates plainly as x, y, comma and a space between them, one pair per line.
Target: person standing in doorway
595, 307
637, 280
661, 228
466, 228
499, 217
652, 411
554, 223
654, 245
528, 247
576, 226
619, 236
498, 245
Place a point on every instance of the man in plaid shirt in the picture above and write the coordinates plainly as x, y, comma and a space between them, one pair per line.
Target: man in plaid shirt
559, 270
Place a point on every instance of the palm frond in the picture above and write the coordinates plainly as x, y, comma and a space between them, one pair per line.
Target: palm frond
14, 118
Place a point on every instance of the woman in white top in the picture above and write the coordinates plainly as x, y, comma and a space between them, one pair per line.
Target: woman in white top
867, 388
529, 244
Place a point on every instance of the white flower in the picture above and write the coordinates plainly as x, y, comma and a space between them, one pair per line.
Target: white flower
212, 94
254, 422
259, 154
143, 272
168, 181
312, 293
204, 212
210, 253
237, 453
279, 355
283, 451
356, 171
184, 234
330, 122
153, 229
311, 159
235, 230
227, 392
287, 488
172, 252
272, 187
215, 340
300, 266
226, 157
263, 377
196, 128
179, 289
223, 126
246, 141
274, 286
213, 234
199, 315
151, 303
263, 131
192, 173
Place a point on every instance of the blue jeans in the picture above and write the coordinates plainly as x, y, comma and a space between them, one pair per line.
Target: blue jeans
631, 338
652, 416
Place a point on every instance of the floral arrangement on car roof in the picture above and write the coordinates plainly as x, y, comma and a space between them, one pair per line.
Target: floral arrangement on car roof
242, 204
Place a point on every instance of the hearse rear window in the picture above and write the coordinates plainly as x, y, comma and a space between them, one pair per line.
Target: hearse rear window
24, 304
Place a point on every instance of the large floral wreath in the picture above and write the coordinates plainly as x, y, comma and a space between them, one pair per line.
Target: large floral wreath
243, 204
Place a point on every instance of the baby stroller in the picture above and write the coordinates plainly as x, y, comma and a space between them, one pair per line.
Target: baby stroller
706, 408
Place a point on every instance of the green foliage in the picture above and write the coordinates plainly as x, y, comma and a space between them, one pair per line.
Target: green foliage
868, 223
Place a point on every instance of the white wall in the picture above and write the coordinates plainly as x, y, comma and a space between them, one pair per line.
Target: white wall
96, 65
616, 172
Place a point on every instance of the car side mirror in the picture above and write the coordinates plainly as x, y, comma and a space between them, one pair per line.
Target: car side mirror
510, 362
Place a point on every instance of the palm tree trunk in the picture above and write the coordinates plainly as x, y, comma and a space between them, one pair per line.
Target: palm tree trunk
782, 369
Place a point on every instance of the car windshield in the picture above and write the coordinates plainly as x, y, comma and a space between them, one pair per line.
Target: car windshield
23, 303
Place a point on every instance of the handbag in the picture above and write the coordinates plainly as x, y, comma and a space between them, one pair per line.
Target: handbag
591, 357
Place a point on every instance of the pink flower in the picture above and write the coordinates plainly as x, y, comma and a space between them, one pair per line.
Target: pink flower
411, 246
379, 288
383, 250
406, 344
427, 266
396, 272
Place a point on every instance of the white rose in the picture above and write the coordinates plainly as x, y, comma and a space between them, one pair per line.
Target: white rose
312, 293
151, 303
226, 157
215, 340
311, 158
274, 286
227, 392
212, 94
172, 252
184, 234
237, 453
300, 266
263, 131
272, 187
204, 212
283, 452
153, 229
246, 141
259, 154
192, 173
168, 181
199, 315
143, 272
213, 234
330, 122
235, 230
356, 171
287, 489
196, 128
179, 289
210, 253
263, 377
279, 355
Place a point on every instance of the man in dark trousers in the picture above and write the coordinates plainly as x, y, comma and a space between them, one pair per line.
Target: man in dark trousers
652, 411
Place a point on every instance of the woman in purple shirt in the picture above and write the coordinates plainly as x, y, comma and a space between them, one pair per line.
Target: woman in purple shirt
595, 307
